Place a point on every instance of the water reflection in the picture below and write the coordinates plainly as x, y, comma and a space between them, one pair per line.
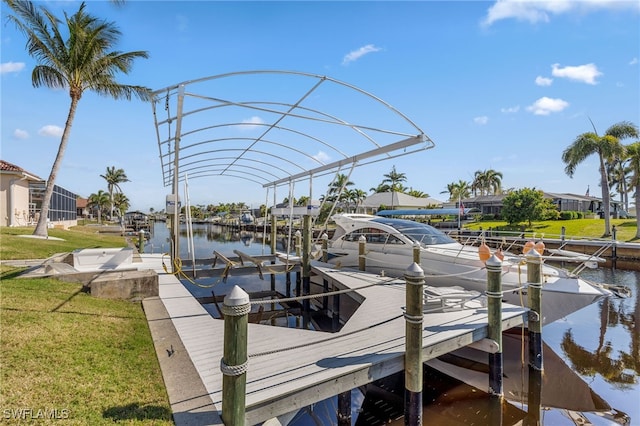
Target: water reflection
601, 343
616, 362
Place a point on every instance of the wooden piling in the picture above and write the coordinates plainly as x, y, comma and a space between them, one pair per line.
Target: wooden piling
344, 408
141, 241
306, 267
325, 259
416, 252
362, 244
414, 278
236, 308
494, 315
534, 299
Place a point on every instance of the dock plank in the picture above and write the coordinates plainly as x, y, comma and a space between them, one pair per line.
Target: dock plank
291, 368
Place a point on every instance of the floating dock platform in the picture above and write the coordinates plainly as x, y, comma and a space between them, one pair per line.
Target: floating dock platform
288, 368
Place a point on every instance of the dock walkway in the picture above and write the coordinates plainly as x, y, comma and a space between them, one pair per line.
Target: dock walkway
289, 369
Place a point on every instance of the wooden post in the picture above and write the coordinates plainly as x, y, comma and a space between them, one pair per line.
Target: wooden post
325, 259
614, 246
362, 245
416, 252
274, 229
306, 268
534, 300
141, 241
494, 302
236, 308
298, 242
414, 278
325, 247
344, 408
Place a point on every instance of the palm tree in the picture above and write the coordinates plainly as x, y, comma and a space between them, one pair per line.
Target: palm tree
98, 201
121, 204
394, 179
358, 196
339, 184
84, 61
114, 178
607, 147
417, 194
458, 190
487, 182
633, 154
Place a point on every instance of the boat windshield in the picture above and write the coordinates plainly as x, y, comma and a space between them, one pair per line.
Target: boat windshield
420, 232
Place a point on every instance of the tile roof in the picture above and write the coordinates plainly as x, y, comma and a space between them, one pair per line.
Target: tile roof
5, 166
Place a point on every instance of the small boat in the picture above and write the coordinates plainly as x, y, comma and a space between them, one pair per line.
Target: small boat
389, 250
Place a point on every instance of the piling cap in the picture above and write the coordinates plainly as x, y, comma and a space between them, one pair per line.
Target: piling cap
494, 261
414, 271
237, 297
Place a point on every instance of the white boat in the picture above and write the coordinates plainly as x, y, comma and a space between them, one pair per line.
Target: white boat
389, 250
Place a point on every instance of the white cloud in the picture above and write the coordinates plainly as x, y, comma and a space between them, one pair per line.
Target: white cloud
20, 134
251, 123
51, 130
482, 120
8, 67
510, 110
634, 61
584, 73
354, 55
541, 11
543, 81
322, 157
545, 106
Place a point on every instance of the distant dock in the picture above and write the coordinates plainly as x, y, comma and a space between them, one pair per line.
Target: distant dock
290, 368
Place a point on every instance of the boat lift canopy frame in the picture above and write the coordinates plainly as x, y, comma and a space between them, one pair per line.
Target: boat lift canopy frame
302, 126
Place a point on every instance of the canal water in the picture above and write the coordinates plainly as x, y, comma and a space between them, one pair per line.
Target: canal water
597, 348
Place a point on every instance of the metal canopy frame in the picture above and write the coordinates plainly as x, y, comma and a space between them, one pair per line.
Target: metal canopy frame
305, 125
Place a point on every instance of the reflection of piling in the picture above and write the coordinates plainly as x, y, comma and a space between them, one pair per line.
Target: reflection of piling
233, 365
414, 277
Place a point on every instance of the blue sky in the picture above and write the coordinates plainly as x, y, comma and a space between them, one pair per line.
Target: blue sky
504, 85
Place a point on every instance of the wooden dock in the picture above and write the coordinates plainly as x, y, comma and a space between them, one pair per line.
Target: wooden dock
289, 369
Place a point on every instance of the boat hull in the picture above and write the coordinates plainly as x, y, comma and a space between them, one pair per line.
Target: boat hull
562, 294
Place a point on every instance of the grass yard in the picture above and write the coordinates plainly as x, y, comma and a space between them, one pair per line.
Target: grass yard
13, 246
576, 228
68, 355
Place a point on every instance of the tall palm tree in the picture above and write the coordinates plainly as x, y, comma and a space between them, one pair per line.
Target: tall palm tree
394, 179
98, 201
458, 190
339, 185
487, 182
606, 148
84, 61
633, 154
114, 178
121, 204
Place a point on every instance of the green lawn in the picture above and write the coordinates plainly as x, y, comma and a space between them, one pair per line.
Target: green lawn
68, 355
87, 359
576, 228
12, 246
